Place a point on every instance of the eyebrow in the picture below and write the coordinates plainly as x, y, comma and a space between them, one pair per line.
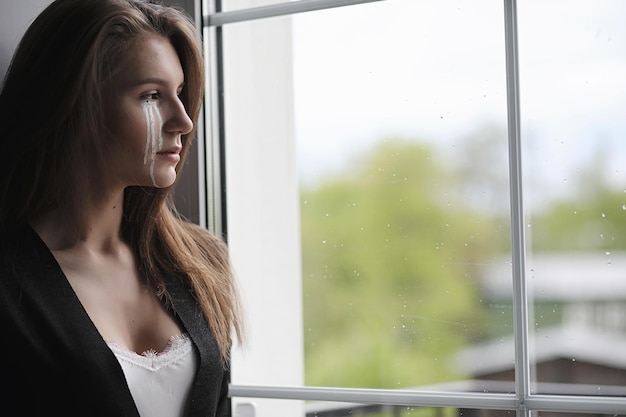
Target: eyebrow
158, 81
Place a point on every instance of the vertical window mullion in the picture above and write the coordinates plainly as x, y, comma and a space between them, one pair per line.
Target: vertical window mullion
215, 213
520, 299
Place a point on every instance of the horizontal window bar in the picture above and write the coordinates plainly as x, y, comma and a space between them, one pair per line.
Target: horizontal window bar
281, 9
383, 397
572, 404
480, 401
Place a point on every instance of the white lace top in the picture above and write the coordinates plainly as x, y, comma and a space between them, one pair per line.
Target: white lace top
160, 383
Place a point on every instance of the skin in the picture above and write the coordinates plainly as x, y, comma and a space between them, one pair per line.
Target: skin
97, 262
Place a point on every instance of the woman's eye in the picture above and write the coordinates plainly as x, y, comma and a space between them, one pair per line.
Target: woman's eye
150, 96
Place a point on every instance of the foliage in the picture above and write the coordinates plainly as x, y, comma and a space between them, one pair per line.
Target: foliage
391, 258
588, 221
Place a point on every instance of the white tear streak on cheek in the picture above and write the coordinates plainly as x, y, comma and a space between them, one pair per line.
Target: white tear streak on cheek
149, 129
154, 128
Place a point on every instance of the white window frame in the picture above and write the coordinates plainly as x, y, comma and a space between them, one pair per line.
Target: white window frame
523, 401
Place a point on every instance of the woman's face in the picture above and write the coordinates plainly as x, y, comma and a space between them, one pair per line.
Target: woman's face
145, 114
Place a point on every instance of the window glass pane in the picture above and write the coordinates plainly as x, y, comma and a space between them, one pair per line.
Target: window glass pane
573, 97
400, 111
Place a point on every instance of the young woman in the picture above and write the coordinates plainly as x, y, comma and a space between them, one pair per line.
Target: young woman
110, 303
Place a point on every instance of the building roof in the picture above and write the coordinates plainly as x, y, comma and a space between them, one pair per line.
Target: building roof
569, 276
575, 343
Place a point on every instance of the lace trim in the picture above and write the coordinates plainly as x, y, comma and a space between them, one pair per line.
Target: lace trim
177, 348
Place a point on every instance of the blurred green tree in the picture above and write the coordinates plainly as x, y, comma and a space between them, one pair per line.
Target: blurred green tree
590, 218
390, 269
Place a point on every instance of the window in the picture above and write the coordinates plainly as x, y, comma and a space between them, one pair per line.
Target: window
424, 203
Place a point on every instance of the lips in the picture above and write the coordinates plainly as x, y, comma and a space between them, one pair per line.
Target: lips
173, 150
171, 154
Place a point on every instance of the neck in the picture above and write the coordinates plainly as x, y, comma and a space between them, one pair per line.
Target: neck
95, 225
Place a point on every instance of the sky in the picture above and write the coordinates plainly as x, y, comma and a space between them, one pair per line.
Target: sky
435, 71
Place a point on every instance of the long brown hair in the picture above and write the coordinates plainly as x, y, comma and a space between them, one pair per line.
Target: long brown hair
51, 110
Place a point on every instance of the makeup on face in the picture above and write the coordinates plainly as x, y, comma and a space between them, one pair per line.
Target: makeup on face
154, 134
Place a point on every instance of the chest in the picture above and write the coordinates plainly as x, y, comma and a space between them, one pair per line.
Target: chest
119, 301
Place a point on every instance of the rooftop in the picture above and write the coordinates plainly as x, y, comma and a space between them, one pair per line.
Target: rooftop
570, 276
576, 343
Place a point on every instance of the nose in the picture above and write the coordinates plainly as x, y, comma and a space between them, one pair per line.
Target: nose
179, 122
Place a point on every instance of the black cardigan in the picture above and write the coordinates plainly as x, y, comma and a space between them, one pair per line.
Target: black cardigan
53, 360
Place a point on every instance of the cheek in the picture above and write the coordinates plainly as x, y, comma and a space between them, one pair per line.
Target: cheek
127, 127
